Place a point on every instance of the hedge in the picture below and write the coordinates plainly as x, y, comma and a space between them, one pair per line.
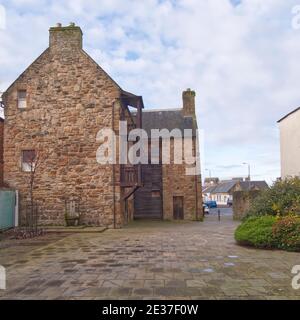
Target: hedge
270, 232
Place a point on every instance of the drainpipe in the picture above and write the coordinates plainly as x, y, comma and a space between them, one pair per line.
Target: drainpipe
196, 190
196, 181
113, 168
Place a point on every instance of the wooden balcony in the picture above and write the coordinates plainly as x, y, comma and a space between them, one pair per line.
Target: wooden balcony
131, 175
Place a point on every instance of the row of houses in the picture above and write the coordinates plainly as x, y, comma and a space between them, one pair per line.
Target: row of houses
222, 192
289, 126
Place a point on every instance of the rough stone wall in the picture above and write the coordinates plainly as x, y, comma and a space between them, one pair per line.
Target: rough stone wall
242, 201
177, 183
65, 38
69, 98
1, 150
175, 180
188, 99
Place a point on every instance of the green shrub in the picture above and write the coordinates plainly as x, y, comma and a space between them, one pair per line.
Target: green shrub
270, 232
281, 199
257, 232
286, 233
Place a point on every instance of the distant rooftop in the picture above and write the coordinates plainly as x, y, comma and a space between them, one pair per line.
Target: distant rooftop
246, 185
226, 187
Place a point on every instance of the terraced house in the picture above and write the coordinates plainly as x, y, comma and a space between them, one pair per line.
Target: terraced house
55, 110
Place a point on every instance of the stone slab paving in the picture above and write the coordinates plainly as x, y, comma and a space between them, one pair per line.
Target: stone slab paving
150, 260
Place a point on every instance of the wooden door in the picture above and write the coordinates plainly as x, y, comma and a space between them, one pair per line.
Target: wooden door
178, 213
148, 199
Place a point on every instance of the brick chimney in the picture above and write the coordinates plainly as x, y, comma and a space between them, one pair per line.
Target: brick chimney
188, 97
65, 38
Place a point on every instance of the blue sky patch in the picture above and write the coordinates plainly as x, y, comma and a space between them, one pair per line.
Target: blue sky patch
235, 2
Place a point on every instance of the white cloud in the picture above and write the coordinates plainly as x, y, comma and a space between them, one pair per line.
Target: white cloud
242, 61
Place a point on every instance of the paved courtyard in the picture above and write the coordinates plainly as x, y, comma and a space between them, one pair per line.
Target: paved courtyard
149, 260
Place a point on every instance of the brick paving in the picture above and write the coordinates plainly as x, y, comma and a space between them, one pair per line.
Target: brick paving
149, 260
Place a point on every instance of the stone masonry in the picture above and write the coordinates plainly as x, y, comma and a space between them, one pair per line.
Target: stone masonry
175, 180
69, 98
242, 201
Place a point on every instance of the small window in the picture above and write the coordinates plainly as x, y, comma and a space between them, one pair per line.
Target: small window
28, 160
22, 99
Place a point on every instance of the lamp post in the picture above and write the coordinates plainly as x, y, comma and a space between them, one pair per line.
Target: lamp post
209, 171
249, 173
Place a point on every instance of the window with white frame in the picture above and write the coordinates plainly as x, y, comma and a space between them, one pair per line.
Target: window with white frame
28, 160
22, 99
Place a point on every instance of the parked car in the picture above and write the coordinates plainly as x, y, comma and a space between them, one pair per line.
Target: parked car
205, 209
211, 204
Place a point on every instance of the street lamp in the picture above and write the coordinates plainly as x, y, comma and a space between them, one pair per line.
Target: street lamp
209, 172
249, 175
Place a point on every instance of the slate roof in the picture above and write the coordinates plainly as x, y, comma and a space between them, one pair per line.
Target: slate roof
261, 185
167, 119
208, 189
226, 187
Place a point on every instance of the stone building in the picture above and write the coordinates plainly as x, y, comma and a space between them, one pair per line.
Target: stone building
289, 127
168, 192
53, 113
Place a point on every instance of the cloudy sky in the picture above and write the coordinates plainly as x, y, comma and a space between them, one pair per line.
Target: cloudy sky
240, 56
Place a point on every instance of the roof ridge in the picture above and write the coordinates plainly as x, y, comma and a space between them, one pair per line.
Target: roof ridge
297, 109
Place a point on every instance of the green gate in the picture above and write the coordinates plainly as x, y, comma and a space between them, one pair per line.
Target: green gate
7, 209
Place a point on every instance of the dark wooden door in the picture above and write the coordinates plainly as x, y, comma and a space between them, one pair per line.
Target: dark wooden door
178, 213
148, 199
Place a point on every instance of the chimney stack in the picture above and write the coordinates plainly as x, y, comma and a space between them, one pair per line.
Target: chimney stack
65, 38
188, 97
